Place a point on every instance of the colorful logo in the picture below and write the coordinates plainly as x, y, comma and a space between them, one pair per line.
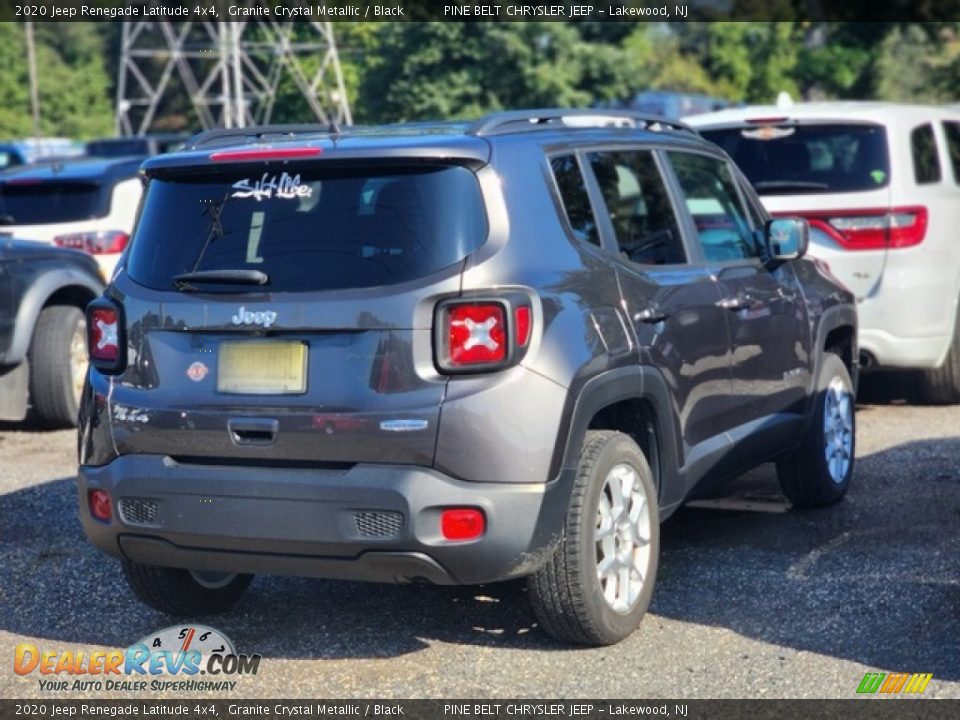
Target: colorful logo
197, 371
180, 651
894, 683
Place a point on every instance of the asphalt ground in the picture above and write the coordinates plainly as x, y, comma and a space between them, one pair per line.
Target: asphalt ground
753, 599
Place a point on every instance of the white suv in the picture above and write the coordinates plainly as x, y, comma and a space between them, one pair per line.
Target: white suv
880, 185
85, 204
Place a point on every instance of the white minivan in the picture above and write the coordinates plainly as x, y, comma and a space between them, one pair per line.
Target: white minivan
880, 185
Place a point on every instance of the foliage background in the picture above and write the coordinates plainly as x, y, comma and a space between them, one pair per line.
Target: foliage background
410, 71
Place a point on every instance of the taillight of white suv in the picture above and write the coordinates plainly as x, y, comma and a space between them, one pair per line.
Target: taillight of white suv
101, 242
871, 229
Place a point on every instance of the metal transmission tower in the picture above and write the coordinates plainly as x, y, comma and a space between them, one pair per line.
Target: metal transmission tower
230, 71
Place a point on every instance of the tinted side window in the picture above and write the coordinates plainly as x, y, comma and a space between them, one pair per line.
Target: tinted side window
576, 202
951, 131
723, 227
639, 207
926, 164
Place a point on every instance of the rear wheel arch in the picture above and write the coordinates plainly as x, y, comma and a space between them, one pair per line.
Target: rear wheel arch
636, 401
59, 287
78, 296
636, 418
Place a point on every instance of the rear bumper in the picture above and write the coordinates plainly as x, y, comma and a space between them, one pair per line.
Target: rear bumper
907, 325
367, 522
906, 299
908, 321
893, 351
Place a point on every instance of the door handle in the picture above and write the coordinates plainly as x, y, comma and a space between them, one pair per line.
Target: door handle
736, 303
651, 315
253, 431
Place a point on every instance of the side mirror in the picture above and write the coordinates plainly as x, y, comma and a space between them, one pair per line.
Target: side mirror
786, 238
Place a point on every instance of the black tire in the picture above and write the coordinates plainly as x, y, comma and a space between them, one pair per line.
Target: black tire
53, 395
177, 592
566, 593
941, 385
805, 475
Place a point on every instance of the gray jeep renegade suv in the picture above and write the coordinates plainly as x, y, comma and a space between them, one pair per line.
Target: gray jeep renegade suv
453, 353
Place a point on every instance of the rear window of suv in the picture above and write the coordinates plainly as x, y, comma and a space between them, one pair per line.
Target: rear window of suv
41, 203
808, 159
309, 229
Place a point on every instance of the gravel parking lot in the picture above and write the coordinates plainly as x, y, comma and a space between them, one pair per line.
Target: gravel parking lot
752, 600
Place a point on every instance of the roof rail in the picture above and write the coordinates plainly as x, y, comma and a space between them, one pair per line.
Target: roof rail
552, 118
257, 133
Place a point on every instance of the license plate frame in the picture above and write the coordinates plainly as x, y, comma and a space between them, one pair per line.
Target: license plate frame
262, 367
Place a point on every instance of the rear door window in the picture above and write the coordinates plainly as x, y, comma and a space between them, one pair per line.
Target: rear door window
923, 148
576, 201
723, 226
639, 207
309, 230
43, 203
808, 159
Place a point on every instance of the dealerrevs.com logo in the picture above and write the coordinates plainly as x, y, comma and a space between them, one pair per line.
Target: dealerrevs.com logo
173, 659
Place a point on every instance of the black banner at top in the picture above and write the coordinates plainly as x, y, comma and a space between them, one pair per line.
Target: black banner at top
472, 11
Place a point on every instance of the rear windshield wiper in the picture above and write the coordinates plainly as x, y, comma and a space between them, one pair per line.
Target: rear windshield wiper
185, 281
789, 185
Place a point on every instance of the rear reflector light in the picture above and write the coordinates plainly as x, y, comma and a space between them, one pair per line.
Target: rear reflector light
95, 243
104, 331
475, 334
871, 229
101, 506
292, 153
462, 524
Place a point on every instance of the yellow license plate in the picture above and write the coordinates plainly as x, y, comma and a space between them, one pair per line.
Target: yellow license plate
262, 368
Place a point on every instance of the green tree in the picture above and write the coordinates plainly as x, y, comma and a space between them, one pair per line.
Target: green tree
749, 62
460, 70
840, 59
72, 80
658, 62
14, 88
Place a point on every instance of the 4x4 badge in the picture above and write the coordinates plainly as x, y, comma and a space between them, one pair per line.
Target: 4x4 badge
248, 317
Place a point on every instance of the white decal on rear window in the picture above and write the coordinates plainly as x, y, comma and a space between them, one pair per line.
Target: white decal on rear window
284, 186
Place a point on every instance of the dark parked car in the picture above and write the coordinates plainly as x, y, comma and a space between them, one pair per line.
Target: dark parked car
452, 354
43, 356
14, 153
154, 144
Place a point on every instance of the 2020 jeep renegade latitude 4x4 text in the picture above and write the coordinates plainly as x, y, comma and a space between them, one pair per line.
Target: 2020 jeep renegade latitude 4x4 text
452, 353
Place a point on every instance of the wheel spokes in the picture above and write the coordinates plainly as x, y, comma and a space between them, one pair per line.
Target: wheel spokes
622, 538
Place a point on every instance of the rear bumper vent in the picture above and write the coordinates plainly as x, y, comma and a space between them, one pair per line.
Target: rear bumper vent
136, 511
378, 523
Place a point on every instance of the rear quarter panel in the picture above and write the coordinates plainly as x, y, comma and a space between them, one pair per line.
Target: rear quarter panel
512, 421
